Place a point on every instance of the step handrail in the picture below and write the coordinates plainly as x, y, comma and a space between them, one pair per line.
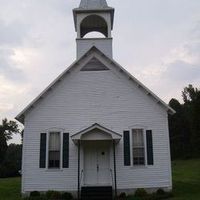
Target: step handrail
82, 177
111, 173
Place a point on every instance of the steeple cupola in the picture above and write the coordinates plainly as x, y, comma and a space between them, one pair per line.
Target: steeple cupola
94, 16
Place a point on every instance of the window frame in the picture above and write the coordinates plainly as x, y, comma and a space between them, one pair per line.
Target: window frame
60, 131
145, 147
58, 134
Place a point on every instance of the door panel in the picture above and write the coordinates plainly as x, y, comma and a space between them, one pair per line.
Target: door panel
103, 173
97, 163
90, 160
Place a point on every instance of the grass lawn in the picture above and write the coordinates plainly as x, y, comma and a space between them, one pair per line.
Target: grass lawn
186, 182
186, 179
10, 189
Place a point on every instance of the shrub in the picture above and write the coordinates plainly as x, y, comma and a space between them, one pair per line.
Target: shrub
141, 193
131, 197
160, 192
41, 197
53, 195
67, 196
34, 194
122, 196
38, 198
158, 195
25, 198
49, 194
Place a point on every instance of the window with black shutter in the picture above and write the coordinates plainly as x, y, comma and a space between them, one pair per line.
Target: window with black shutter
43, 139
65, 150
149, 141
127, 156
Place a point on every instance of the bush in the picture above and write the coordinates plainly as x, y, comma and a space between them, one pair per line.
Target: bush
141, 193
130, 197
53, 195
34, 194
49, 194
160, 192
38, 198
67, 196
41, 197
122, 196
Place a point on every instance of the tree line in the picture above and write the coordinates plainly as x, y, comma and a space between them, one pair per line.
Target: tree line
184, 126
184, 130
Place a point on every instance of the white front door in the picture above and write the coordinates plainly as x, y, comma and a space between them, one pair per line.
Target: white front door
97, 163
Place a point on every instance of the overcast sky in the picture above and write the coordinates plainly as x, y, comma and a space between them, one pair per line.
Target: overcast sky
157, 41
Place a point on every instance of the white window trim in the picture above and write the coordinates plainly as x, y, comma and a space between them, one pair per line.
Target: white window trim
48, 131
144, 128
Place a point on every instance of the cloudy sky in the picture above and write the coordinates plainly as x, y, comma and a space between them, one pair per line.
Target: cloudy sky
157, 41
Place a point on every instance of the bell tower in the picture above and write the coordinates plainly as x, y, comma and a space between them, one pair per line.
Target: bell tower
90, 16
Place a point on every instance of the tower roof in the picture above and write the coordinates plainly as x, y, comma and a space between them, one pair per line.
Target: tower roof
93, 4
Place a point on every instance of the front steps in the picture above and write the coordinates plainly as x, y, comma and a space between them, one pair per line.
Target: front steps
96, 193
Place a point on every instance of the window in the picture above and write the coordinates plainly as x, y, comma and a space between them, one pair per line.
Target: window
54, 150
138, 147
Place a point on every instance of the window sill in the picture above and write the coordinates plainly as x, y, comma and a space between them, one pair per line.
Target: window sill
54, 170
139, 167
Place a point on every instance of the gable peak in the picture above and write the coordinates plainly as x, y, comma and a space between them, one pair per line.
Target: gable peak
94, 65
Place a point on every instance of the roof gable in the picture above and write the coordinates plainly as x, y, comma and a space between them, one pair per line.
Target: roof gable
105, 131
91, 58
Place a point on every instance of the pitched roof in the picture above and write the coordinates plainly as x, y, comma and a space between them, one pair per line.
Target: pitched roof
21, 115
114, 135
93, 4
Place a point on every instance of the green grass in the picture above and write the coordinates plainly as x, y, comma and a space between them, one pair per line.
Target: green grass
186, 182
186, 179
10, 189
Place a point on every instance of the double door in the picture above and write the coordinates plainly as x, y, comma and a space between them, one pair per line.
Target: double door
97, 163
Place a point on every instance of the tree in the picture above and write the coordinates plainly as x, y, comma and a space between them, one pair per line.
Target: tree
3, 148
12, 162
191, 97
179, 131
7, 129
184, 126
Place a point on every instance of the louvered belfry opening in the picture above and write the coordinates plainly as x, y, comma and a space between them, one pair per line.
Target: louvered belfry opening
94, 65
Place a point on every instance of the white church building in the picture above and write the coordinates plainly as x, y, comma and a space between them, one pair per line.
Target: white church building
96, 128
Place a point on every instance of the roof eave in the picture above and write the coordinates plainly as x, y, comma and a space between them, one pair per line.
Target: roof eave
149, 92
20, 117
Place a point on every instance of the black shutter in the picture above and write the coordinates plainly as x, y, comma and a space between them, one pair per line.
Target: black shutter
65, 150
127, 159
43, 138
150, 160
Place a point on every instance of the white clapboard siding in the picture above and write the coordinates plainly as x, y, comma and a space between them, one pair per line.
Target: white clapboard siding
109, 99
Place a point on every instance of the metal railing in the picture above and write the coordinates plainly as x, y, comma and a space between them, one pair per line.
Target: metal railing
82, 175
111, 174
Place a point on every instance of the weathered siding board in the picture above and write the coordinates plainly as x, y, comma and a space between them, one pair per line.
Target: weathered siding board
102, 97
